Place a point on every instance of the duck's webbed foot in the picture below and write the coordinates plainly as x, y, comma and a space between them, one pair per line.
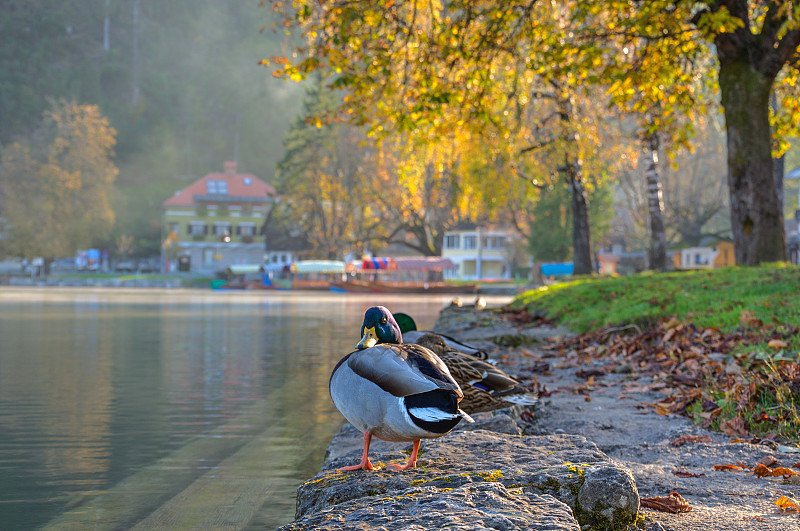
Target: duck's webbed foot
364, 464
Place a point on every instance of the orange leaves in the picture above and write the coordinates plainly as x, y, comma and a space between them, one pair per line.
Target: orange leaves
778, 472
674, 503
787, 504
740, 466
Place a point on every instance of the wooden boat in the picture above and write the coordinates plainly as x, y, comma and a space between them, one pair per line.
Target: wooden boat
376, 286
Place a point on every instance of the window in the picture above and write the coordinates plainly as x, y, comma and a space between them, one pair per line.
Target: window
221, 229
197, 228
451, 241
246, 229
470, 242
216, 187
493, 242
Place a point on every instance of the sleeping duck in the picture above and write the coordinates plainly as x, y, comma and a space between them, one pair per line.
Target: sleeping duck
485, 387
394, 391
408, 327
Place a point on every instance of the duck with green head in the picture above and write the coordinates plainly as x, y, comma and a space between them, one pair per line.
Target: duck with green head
394, 391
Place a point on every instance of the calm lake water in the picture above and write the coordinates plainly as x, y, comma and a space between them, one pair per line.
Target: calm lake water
171, 409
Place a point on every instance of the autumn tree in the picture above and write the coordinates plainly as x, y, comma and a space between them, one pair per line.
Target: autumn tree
434, 69
425, 57
323, 179
756, 49
56, 186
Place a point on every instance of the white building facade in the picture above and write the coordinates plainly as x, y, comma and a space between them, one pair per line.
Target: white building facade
479, 253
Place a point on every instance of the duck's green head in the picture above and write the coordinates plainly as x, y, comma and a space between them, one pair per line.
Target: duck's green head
379, 327
405, 322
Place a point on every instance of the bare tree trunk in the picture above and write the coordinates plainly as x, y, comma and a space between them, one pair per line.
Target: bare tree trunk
581, 234
657, 250
135, 68
107, 28
581, 239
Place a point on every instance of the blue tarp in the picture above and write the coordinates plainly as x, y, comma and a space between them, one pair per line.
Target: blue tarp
557, 270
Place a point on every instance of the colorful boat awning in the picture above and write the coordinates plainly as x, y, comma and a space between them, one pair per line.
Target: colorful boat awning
402, 263
423, 263
376, 263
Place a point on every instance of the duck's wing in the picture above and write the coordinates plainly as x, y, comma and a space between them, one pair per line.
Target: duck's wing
463, 347
402, 370
461, 369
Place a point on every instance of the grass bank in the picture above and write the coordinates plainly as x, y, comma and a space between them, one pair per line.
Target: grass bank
723, 342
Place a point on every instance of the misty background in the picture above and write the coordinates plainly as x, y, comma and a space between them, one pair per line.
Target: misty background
179, 81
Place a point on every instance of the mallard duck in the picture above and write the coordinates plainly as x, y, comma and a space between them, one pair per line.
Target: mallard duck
394, 391
485, 387
408, 328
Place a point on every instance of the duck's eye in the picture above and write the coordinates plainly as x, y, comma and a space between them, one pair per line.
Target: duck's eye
383, 320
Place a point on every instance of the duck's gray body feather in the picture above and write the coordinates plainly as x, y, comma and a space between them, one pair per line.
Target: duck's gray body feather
369, 387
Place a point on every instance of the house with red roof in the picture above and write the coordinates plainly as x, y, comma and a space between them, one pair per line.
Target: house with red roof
215, 222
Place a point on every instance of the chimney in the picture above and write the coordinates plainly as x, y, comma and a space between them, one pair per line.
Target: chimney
230, 168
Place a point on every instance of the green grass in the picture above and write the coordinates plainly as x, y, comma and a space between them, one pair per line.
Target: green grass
707, 298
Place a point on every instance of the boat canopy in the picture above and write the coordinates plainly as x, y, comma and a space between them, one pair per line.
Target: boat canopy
318, 266
376, 263
275, 267
423, 263
402, 263
243, 269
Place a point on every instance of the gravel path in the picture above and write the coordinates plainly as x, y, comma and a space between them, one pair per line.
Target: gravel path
612, 415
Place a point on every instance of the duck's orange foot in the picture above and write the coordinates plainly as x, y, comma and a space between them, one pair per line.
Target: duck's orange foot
406, 467
412, 461
363, 465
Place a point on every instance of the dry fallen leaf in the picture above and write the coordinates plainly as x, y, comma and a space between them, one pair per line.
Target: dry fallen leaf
674, 503
727, 467
683, 439
781, 471
734, 427
786, 503
768, 460
685, 474
749, 319
761, 470
777, 344
785, 472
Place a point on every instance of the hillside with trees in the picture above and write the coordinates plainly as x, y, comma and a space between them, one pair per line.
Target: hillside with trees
179, 82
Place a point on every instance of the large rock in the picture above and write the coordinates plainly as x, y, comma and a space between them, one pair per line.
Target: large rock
528, 483
478, 506
609, 493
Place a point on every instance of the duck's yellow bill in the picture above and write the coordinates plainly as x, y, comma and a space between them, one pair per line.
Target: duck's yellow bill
369, 340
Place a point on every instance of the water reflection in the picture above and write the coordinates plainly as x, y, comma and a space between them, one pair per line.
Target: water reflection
178, 409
